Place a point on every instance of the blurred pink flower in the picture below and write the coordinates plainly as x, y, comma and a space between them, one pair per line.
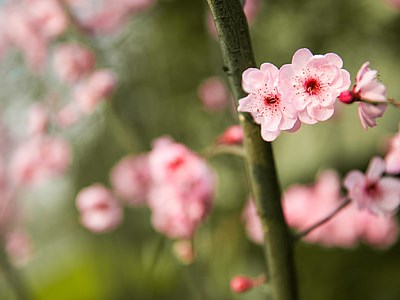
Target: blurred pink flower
18, 246
241, 284
265, 103
252, 222
130, 179
100, 211
213, 94
98, 86
312, 83
48, 16
233, 135
392, 158
72, 62
380, 195
182, 188
38, 159
38, 119
68, 115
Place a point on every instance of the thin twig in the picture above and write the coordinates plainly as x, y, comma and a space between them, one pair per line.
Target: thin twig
322, 221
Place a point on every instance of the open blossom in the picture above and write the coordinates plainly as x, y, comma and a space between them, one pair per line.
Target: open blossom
213, 94
392, 158
130, 179
312, 83
370, 94
72, 62
182, 188
100, 211
265, 103
38, 159
372, 191
98, 86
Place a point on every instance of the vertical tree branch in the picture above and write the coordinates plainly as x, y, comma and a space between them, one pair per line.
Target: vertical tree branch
237, 54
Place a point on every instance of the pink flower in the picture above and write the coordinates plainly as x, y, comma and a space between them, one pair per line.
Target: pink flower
380, 195
72, 62
68, 115
241, 284
392, 158
130, 179
18, 246
98, 86
368, 113
182, 189
265, 103
312, 83
213, 94
233, 135
252, 222
100, 211
38, 159
38, 119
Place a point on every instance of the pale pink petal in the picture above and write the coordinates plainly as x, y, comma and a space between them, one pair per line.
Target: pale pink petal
269, 136
301, 57
375, 168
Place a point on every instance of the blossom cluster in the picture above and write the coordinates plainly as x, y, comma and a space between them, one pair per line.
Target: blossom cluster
174, 182
370, 216
306, 91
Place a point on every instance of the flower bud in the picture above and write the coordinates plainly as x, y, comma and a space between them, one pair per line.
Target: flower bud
241, 284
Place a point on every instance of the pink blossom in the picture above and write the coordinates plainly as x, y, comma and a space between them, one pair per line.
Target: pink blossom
38, 119
252, 222
265, 103
368, 113
48, 16
38, 159
100, 211
130, 179
312, 83
233, 135
213, 94
98, 86
72, 62
182, 189
392, 158
18, 246
68, 115
241, 284
380, 195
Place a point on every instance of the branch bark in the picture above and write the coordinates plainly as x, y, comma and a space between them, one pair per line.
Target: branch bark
237, 55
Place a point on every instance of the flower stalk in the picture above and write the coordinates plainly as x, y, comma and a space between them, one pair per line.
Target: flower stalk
237, 54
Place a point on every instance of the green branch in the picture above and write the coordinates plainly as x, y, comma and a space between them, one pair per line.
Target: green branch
237, 55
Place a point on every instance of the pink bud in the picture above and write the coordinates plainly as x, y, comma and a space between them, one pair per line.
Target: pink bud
241, 284
346, 97
232, 136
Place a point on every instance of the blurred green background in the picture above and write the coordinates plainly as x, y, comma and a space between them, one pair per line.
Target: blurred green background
160, 58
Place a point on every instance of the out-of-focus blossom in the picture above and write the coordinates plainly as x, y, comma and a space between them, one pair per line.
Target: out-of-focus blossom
372, 191
98, 86
394, 3
304, 206
48, 16
252, 222
233, 135
113, 15
213, 94
99, 209
130, 179
72, 62
312, 83
265, 103
392, 158
68, 115
18, 246
38, 159
183, 250
38, 119
8, 209
182, 188
371, 95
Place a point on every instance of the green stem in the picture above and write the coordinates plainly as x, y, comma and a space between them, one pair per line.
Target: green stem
237, 54
12, 276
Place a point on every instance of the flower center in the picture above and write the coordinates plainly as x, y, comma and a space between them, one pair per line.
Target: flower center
312, 86
271, 100
176, 163
372, 189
